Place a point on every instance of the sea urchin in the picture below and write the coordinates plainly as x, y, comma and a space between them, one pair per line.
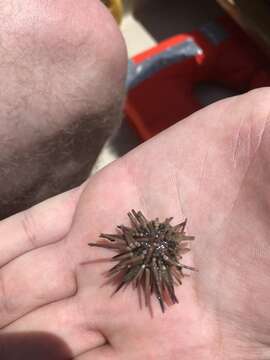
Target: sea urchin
149, 254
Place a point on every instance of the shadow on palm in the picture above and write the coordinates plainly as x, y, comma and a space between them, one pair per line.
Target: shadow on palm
33, 345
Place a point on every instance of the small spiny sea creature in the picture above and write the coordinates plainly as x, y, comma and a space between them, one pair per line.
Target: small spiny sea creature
149, 256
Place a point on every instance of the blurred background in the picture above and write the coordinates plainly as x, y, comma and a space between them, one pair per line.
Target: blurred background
147, 24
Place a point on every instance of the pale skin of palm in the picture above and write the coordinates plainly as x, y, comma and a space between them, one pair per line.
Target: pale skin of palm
212, 168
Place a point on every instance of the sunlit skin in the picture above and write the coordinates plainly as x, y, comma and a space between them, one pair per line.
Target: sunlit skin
212, 168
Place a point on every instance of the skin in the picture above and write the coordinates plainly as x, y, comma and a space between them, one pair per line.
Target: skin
212, 168
62, 71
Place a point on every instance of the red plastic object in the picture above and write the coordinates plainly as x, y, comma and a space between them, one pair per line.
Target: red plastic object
167, 96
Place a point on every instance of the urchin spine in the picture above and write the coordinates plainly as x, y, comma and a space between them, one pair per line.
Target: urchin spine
149, 254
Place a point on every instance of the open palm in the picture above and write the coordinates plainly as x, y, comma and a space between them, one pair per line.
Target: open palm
212, 168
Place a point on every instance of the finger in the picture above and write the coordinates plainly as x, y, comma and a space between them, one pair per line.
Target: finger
105, 352
35, 279
40, 225
63, 319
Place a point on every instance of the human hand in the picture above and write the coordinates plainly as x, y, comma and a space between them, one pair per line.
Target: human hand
211, 168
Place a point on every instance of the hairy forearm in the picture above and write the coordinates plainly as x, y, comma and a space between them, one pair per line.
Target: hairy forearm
61, 94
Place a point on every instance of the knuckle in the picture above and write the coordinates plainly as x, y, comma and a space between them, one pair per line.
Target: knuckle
28, 225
